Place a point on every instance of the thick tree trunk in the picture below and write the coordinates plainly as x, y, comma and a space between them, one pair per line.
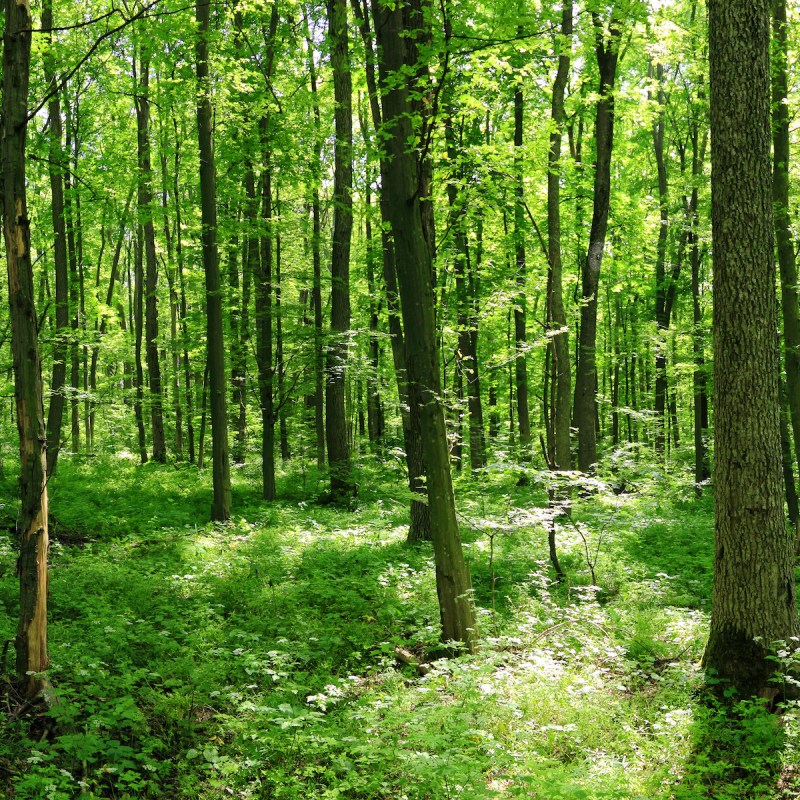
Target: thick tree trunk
343, 486
415, 278
32, 523
586, 373
754, 602
221, 505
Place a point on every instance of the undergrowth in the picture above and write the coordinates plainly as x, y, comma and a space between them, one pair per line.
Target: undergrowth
257, 659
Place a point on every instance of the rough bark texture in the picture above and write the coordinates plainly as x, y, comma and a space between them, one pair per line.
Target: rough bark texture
32, 523
343, 487
415, 279
754, 601
586, 373
221, 505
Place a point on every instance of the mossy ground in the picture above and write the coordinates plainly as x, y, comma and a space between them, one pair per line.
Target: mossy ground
256, 659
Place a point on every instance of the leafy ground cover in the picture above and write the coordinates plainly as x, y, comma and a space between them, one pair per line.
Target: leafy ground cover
257, 659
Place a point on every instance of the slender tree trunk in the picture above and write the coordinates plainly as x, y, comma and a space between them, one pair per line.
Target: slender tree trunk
32, 522
145, 203
264, 345
783, 232
586, 374
316, 244
221, 505
187, 370
520, 301
56, 166
279, 357
558, 334
138, 307
415, 279
419, 512
754, 601
343, 486
662, 323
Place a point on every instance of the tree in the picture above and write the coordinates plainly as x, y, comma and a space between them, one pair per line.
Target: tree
754, 602
56, 169
32, 524
606, 51
221, 505
343, 487
395, 25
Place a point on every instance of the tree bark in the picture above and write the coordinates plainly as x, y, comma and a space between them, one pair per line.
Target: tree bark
783, 232
415, 278
56, 166
343, 486
221, 505
558, 332
754, 602
145, 203
32, 523
586, 373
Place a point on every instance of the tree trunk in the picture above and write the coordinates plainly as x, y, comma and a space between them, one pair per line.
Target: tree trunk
415, 279
138, 307
221, 505
419, 512
56, 166
145, 204
783, 232
520, 301
343, 486
558, 333
754, 602
32, 523
586, 373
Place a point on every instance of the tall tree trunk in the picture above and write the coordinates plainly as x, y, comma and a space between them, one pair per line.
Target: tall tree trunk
415, 279
662, 323
316, 244
145, 203
283, 399
138, 308
558, 334
754, 601
56, 167
419, 512
586, 374
221, 505
343, 486
187, 370
32, 524
520, 301
264, 343
783, 233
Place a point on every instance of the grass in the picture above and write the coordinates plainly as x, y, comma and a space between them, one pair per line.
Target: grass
256, 659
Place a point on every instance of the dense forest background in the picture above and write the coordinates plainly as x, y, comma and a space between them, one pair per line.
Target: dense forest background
360, 363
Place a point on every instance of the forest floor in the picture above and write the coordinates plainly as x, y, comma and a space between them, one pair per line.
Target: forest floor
257, 659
